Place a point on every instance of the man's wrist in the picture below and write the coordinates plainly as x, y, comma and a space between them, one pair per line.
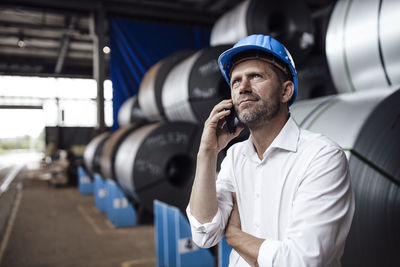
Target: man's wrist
207, 153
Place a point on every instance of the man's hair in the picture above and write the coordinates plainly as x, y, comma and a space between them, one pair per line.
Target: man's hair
282, 77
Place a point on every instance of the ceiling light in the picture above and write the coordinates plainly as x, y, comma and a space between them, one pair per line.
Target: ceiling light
106, 50
20, 43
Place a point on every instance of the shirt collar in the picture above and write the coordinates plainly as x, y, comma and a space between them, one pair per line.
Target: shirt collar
287, 139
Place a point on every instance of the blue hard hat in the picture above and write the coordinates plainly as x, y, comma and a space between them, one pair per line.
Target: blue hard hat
263, 43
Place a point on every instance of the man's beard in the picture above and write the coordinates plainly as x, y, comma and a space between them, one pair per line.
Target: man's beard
265, 110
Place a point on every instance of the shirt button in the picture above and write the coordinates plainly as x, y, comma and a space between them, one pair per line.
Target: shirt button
202, 229
257, 195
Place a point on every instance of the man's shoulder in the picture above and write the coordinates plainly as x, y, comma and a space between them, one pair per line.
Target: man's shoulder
316, 140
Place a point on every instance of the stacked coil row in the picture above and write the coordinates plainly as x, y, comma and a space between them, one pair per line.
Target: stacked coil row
290, 22
148, 160
152, 155
366, 124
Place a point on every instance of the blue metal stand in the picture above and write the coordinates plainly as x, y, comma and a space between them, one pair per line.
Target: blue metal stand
224, 250
174, 244
85, 184
119, 210
100, 193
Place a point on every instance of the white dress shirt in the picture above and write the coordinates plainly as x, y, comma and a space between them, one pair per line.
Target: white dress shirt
298, 198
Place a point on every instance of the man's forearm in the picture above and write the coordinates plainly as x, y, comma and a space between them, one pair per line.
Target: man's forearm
203, 199
246, 245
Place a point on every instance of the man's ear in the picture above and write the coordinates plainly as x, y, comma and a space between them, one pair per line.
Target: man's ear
287, 91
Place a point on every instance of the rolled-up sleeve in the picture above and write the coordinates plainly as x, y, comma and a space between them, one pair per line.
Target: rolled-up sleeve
323, 208
207, 234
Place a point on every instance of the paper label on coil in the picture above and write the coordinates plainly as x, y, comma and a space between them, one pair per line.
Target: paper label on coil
186, 245
165, 139
145, 166
208, 68
102, 193
120, 203
204, 93
85, 180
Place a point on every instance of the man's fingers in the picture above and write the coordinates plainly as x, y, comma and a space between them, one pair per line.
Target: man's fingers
218, 117
221, 106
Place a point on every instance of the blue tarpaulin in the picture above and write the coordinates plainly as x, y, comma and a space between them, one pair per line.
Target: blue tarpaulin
136, 46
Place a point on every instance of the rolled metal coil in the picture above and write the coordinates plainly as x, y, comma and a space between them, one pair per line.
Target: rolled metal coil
339, 117
110, 148
288, 21
130, 112
152, 83
376, 170
93, 151
194, 86
157, 161
366, 124
362, 45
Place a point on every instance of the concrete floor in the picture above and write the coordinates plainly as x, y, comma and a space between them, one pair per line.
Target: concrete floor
59, 226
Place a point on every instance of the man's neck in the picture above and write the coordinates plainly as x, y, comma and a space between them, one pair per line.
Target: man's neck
264, 136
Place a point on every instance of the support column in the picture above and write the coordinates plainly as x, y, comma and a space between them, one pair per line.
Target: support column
98, 18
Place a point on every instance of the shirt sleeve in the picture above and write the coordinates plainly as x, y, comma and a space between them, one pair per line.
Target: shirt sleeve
322, 211
209, 234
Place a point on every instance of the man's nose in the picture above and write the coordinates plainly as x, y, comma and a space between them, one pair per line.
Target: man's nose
245, 85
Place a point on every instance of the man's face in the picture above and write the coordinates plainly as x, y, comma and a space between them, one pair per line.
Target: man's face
256, 92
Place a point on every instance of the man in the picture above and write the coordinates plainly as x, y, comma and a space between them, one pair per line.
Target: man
282, 197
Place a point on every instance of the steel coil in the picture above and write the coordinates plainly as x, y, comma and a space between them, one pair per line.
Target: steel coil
375, 170
130, 112
288, 21
150, 89
366, 124
93, 151
157, 161
194, 86
362, 45
110, 148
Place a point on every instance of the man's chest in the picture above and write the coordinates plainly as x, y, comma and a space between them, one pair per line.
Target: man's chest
265, 193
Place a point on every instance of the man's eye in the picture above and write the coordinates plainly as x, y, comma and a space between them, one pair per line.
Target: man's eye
256, 75
235, 83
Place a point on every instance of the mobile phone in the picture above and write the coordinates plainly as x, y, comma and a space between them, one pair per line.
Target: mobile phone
231, 121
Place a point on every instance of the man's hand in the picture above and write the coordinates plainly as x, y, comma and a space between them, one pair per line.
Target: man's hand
246, 245
214, 137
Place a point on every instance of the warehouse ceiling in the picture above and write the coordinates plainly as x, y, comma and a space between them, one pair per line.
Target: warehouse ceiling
55, 38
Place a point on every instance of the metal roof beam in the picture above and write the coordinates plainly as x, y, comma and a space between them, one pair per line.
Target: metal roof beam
28, 26
65, 45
